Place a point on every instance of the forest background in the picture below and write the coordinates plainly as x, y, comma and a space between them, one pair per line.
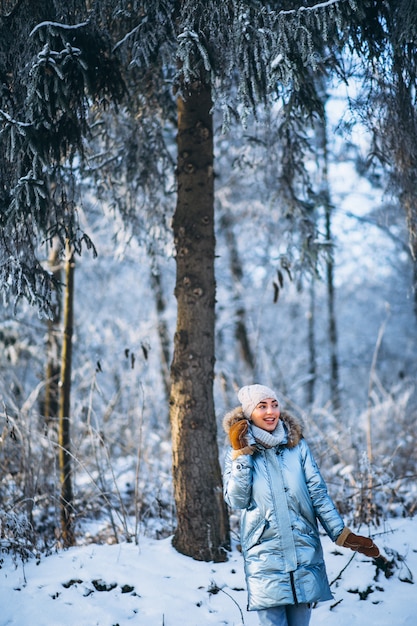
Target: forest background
315, 272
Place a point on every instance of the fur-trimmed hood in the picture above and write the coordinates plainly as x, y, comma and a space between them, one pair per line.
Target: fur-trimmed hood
292, 425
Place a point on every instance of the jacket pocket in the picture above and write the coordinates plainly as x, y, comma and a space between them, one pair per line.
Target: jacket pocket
255, 536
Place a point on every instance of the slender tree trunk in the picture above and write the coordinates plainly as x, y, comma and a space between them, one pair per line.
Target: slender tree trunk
403, 142
312, 369
409, 200
241, 332
367, 511
163, 333
334, 362
327, 205
51, 400
414, 261
65, 462
203, 527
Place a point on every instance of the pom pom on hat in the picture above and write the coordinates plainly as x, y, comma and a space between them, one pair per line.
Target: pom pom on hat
251, 395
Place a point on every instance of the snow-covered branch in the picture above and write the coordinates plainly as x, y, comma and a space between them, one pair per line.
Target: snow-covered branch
58, 25
319, 5
9, 119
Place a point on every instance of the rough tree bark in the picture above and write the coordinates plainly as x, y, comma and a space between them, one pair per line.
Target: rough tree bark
203, 526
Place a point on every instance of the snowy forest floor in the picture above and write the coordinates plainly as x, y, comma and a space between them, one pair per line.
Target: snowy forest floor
152, 585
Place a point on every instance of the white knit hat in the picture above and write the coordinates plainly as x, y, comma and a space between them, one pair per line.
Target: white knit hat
251, 395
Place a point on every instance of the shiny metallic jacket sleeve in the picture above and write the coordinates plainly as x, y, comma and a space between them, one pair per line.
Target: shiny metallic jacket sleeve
324, 506
237, 480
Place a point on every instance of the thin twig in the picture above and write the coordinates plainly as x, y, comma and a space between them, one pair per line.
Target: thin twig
343, 569
237, 604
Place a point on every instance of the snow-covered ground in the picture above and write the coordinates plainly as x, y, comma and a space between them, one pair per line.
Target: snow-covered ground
152, 585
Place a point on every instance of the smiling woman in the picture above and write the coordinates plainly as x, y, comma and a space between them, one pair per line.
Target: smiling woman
271, 475
266, 414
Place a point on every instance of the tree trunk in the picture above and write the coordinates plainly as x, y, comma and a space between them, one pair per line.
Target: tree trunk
50, 408
203, 528
327, 206
334, 362
403, 127
409, 201
312, 367
163, 333
65, 463
241, 332
414, 261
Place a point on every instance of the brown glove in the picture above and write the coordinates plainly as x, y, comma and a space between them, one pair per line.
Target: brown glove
239, 440
357, 543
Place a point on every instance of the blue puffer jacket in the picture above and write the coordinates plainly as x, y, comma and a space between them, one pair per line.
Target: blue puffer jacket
281, 493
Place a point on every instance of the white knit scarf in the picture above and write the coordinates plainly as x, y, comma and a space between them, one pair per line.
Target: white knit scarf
269, 440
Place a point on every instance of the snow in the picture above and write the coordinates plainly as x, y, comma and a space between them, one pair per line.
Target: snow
153, 585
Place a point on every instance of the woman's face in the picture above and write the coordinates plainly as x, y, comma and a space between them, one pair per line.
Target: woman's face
266, 414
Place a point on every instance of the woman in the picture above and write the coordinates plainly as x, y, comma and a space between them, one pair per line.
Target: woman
271, 475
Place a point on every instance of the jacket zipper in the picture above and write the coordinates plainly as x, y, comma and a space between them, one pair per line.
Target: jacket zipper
293, 587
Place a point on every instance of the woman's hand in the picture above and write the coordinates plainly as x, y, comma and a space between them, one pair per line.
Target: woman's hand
358, 543
238, 435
